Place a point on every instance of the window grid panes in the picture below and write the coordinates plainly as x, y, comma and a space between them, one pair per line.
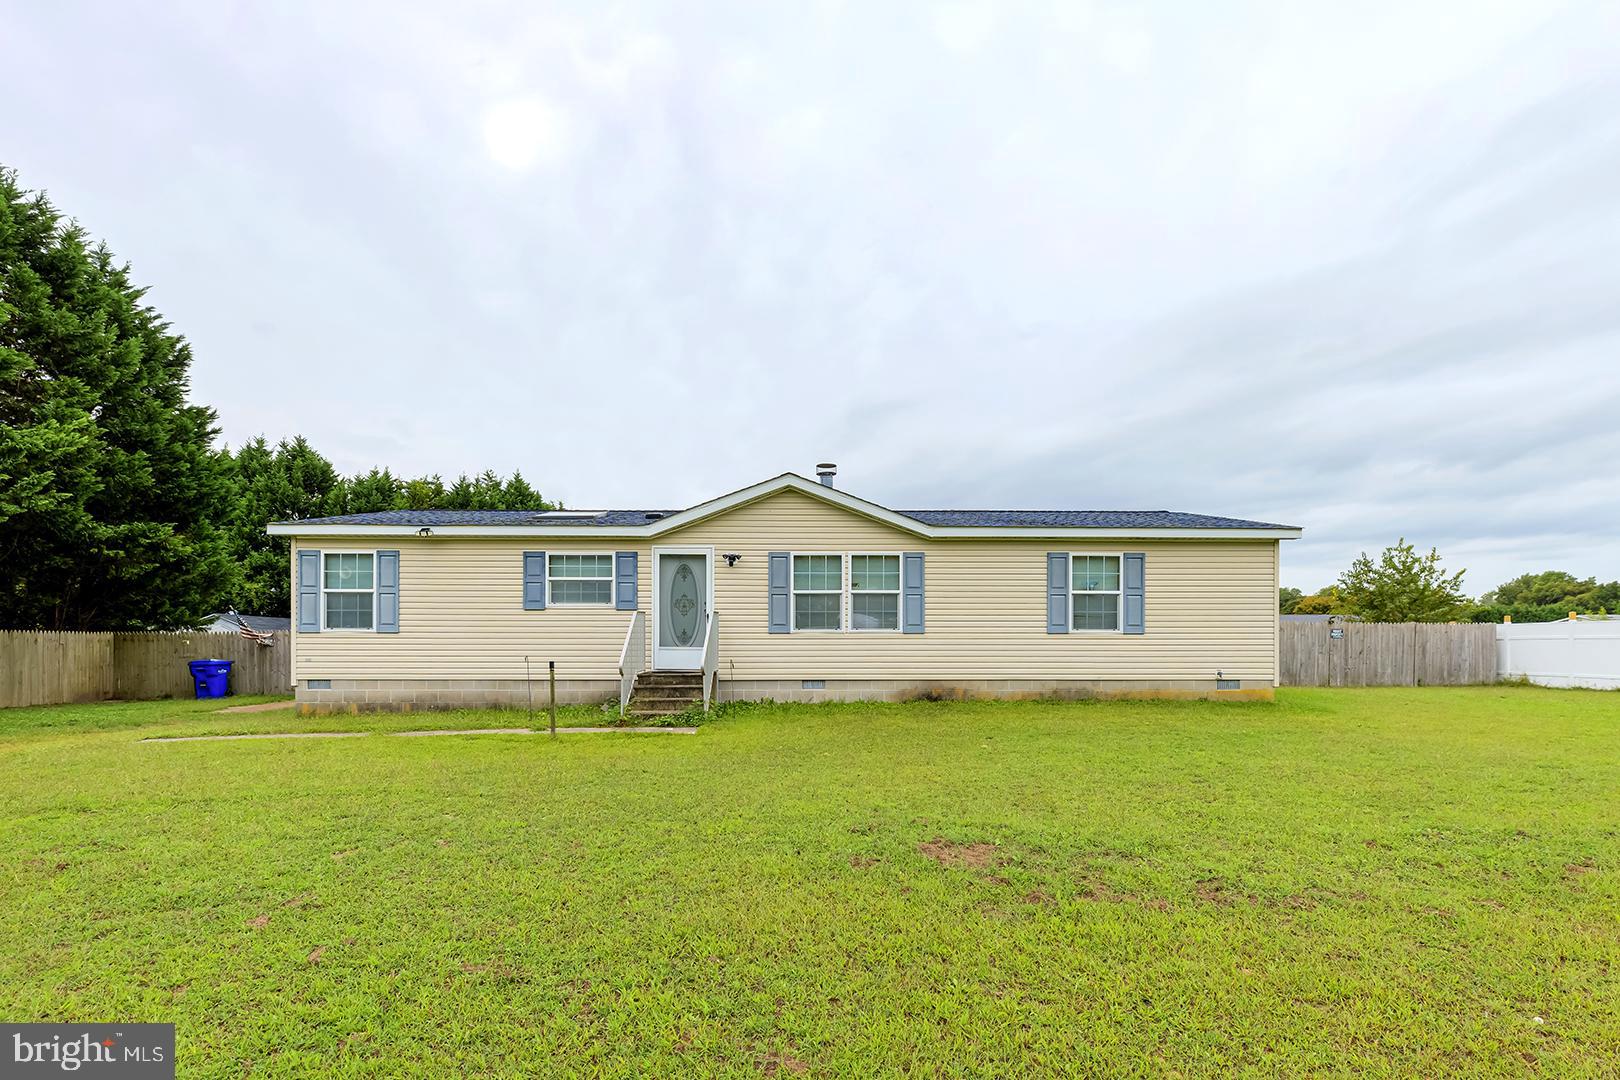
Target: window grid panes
580, 579
818, 592
348, 583
1095, 580
874, 592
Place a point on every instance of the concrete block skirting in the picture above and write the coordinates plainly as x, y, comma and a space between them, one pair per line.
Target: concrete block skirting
404, 695
983, 689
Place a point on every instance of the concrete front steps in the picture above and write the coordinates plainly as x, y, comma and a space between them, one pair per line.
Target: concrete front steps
665, 693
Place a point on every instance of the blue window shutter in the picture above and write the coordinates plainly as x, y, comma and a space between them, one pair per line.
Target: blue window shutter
387, 592
911, 592
624, 580
1133, 620
779, 580
1057, 592
534, 581
309, 591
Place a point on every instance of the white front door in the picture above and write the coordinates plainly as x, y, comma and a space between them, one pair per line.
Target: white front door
683, 589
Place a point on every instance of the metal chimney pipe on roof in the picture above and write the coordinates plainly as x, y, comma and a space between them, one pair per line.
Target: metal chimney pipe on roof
825, 471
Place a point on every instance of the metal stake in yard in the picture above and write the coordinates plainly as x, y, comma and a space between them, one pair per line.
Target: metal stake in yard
551, 666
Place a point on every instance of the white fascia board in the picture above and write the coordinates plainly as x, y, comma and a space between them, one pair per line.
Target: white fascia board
1054, 532
792, 482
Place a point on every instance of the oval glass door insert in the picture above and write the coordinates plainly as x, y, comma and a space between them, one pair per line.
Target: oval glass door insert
684, 605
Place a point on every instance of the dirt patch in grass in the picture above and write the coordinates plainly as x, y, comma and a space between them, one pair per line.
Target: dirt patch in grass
862, 862
259, 922
1099, 891
1575, 871
777, 1061
1214, 891
974, 856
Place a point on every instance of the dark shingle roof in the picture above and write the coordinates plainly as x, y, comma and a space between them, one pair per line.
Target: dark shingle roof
1083, 519
254, 622
490, 517
1069, 519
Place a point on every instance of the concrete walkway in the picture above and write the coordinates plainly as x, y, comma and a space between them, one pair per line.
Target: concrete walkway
560, 731
415, 734
280, 735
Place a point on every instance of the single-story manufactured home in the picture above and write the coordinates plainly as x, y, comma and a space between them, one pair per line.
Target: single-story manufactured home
790, 589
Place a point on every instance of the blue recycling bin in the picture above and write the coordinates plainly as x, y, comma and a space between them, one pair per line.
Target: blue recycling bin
213, 677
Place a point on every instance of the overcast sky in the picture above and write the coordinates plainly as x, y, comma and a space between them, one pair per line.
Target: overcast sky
1349, 266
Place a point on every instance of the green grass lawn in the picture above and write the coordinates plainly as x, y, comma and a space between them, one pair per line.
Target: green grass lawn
1411, 882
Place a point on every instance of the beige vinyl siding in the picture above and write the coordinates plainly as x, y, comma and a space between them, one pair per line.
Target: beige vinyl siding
461, 616
1210, 605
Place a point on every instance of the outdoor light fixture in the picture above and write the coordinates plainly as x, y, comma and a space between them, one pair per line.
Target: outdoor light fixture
424, 531
731, 558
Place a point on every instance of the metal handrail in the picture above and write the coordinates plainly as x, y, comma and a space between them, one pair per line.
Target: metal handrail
711, 655
632, 659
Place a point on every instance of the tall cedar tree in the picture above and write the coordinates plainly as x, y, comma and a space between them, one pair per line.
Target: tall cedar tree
109, 488
289, 481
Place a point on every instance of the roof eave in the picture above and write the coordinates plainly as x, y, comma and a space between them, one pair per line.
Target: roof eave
653, 529
789, 481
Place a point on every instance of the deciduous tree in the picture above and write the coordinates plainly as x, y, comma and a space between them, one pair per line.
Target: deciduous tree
1402, 586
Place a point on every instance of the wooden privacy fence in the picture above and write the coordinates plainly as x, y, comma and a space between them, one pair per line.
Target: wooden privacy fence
1387, 654
52, 668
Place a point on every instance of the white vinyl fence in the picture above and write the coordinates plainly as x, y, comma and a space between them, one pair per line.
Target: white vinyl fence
1566, 653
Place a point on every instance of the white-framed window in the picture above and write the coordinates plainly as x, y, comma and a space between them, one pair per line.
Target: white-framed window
1094, 603
580, 580
348, 590
874, 591
818, 592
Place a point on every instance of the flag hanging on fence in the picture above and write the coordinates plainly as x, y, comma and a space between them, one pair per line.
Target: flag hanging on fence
258, 637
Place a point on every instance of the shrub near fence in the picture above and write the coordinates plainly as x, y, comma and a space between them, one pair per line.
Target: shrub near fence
1387, 654
54, 668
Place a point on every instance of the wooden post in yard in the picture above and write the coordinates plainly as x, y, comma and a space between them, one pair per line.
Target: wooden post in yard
551, 666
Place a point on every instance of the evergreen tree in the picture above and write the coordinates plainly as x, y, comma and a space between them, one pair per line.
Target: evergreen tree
111, 496
488, 491
461, 495
518, 495
291, 481
375, 492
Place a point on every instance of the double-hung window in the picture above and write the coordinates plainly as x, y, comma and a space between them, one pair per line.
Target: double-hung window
818, 592
874, 592
1096, 591
348, 590
580, 579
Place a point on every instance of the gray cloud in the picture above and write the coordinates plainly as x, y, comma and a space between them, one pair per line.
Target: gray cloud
1351, 269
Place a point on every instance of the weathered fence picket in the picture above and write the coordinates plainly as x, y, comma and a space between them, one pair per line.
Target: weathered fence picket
57, 667
1387, 654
